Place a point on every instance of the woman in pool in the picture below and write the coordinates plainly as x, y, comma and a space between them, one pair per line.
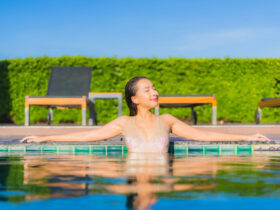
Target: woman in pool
143, 131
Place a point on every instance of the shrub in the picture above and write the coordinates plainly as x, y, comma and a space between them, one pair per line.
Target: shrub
238, 83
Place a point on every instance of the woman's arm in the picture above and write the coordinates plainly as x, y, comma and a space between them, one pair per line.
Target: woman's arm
181, 129
109, 130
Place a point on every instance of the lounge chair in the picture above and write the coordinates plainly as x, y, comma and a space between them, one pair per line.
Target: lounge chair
68, 87
265, 102
189, 101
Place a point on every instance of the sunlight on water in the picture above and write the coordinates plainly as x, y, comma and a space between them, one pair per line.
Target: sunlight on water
136, 180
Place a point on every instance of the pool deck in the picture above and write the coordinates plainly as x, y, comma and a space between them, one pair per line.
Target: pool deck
10, 136
16, 132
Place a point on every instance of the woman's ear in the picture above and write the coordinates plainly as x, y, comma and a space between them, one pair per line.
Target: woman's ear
134, 99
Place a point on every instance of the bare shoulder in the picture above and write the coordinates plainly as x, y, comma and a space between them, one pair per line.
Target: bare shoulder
117, 124
122, 120
168, 119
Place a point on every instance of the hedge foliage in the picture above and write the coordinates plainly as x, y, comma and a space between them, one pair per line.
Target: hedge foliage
238, 83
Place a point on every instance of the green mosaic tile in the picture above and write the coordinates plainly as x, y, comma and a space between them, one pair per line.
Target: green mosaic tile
180, 148
227, 147
17, 148
114, 148
196, 153
211, 148
179, 153
98, 148
244, 153
125, 152
228, 152
212, 152
195, 147
98, 153
33, 148
114, 153
65, 153
82, 152
4, 148
49, 148
244, 147
66, 148
82, 148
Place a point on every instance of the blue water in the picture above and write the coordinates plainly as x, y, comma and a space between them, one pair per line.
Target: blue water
118, 202
139, 181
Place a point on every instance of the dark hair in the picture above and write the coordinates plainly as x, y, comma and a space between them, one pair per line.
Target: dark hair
130, 90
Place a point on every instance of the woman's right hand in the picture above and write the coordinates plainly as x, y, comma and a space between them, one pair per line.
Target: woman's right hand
29, 139
258, 137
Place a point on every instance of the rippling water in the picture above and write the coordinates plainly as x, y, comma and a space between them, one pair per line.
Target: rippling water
139, 181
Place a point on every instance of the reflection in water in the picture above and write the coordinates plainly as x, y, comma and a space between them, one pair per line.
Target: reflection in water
144, 178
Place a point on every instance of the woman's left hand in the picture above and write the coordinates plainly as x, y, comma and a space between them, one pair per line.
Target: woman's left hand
30, 139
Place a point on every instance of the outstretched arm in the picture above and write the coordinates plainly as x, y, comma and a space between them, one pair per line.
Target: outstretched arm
181, 129
109, 130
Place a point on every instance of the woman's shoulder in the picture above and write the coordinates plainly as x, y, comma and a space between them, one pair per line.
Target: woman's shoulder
121, 122
123, 118
167, 119
166, 116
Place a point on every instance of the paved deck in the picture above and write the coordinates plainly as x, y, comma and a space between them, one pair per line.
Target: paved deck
14, 132
10, 135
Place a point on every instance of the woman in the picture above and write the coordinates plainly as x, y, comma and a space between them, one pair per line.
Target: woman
143, 131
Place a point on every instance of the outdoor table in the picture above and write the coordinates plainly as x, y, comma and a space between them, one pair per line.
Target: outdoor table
99, 95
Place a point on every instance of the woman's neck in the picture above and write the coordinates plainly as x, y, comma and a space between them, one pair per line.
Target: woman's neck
144, 114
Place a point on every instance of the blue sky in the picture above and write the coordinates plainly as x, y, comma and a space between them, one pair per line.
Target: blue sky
140, 28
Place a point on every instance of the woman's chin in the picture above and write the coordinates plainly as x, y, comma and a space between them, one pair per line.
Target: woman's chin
151, 105
154, 105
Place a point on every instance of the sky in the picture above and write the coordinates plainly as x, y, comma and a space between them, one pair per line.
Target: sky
140, 28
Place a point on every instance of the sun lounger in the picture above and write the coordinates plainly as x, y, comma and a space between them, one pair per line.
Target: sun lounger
265, 102
189, 101
68, 87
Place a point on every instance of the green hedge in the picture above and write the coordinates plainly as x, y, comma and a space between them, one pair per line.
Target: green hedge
238, 83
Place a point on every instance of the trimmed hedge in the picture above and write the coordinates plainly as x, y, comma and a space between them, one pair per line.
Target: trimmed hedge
238, 83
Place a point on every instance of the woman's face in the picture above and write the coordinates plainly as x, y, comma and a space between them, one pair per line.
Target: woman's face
146, 94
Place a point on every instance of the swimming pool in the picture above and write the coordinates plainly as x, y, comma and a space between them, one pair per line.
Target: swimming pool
51, 179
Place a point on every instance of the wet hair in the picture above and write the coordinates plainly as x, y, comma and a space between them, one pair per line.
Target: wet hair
130, 90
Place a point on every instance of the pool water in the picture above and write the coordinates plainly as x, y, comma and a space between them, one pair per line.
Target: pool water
139, 181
